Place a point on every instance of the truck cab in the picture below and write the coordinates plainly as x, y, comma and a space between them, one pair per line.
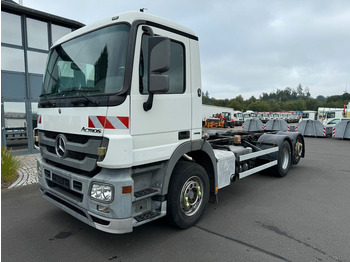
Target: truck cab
308, 115
332, 115
105, 86
238, 117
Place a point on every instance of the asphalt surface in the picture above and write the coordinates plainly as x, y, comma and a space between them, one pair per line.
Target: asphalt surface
302, 217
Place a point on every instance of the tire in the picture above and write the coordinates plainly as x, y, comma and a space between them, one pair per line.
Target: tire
298, 150
188, 194
284, 160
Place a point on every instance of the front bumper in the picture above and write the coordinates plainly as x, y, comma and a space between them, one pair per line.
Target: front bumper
70, 192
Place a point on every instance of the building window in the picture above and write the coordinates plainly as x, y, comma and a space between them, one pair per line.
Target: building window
15, 125
58, 32
12, 59
36, 62
11, 32
37, 34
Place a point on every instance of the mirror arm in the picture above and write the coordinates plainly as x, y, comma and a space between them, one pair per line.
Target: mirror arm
148, 30
148, 104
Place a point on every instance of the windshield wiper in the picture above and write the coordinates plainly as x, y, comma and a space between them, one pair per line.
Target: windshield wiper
50, 102
87, 98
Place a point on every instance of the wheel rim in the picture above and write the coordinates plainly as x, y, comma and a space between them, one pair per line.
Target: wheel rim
298, 149
285, 158
191, 196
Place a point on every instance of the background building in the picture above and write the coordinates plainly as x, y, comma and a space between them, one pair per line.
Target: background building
26, 35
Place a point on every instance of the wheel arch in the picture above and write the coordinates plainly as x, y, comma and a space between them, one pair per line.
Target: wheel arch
198, 151
278, 138
294, 136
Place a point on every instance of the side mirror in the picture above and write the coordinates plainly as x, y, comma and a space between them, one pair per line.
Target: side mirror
159, 62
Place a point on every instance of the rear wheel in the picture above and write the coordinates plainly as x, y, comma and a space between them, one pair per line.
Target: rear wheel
284, 160
298, 150
188, 194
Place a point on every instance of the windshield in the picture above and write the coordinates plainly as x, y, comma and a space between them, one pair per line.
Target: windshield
331, 115
226, 115
305, 115
91, 64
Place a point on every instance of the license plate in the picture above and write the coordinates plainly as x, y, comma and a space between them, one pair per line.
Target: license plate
60, 180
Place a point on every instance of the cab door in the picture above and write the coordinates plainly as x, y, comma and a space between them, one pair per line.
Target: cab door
157, 132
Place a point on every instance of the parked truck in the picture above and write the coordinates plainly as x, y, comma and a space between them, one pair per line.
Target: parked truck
120, 133
220, 113
336, 114
308, 115
238, 118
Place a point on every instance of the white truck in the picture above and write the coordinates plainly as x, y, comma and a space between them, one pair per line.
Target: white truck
336, 114
238, 117
209, 111
15, 126
308, 115
120, 132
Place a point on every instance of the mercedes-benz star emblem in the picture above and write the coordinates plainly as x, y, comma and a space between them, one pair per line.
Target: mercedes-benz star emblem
60, 147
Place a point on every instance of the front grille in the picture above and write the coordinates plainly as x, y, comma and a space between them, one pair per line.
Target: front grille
70, 206
65, 191
81, 156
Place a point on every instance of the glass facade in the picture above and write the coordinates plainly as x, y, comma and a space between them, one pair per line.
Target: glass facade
58, 32
37, 34
26, 36
11, 32
15, 125
36, 62
12, 59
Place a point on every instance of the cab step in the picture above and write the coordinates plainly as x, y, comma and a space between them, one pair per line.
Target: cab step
145, 193
147, 216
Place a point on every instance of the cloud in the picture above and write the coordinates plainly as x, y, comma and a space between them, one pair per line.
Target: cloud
248, 46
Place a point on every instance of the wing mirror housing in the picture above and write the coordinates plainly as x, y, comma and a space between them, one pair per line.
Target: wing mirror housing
159, 63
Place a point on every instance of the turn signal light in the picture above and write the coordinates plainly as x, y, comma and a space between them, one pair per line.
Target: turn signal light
126, 189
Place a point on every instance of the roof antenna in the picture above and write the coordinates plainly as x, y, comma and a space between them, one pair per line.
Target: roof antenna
142, 10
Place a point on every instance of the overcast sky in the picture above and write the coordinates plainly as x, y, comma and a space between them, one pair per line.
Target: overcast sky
248, 46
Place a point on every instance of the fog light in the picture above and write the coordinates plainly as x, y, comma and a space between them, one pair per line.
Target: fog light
38, 168
103, 209
102, 192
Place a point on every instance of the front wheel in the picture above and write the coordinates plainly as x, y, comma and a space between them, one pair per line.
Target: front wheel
188, 194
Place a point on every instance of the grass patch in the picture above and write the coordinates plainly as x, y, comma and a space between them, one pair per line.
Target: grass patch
9, 166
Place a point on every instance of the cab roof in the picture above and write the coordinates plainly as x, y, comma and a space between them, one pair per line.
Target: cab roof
128, 17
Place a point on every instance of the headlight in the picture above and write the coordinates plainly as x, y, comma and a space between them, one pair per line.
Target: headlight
102, 192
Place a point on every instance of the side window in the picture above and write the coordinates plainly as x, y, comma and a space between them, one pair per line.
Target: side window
176, 71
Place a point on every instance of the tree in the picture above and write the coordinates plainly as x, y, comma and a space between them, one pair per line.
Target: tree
321, 98
300, 90
307, 92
